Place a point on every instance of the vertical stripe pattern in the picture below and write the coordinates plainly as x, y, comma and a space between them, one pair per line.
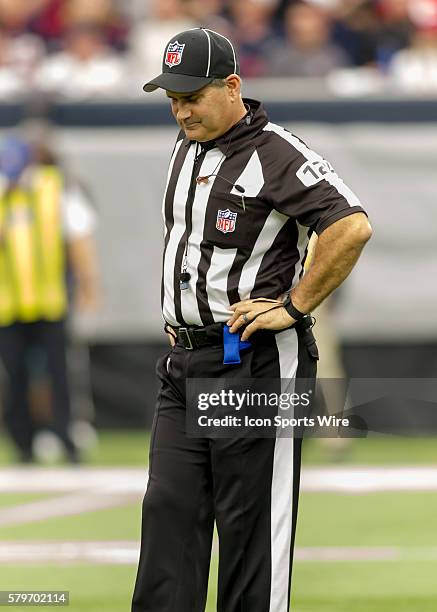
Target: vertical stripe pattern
245, 226
189, 303
216, 281
283, 483
302, 246
170, 170
175, 236
271, 228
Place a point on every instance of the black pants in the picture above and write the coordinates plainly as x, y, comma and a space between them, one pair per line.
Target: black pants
250, 486
15, 340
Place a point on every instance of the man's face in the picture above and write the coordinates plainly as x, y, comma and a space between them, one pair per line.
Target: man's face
205, 114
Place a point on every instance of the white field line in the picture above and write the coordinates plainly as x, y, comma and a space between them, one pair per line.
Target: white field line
119, 553
370, 553
66, 505
362, 479
85, 489
346, 479
66, 480
127, 553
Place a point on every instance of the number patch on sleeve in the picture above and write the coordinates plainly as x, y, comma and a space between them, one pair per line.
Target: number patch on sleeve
312, 172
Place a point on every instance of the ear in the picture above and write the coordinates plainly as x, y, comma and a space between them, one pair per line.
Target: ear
233, 83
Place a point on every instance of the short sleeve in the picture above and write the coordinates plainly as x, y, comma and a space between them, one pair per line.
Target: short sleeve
302, 185
79, 216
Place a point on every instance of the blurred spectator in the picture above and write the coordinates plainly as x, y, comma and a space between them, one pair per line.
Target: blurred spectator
49, 24
58, 16
415, 69
167, 17
394, 29
15, 15
253, 34
309, 50
320, 36
207, 13
11, 83
46, 227
80, 11
87, 68
101, 12
356, 31
19, 58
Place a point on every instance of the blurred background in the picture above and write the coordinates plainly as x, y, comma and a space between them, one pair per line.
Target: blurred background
79, 338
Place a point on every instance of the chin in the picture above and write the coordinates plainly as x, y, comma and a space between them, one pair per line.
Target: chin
196, 134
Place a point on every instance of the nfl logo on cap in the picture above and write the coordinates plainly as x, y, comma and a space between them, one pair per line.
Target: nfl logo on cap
226, 221
173, 56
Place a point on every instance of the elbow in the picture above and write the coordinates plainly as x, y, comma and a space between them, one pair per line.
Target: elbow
364, 232
360, 229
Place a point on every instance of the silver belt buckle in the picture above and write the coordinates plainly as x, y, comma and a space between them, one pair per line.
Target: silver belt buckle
184, 334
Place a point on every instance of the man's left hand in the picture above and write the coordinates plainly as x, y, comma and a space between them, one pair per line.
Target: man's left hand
272, 317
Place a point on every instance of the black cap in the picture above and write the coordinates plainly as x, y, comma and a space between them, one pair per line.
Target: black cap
194, 58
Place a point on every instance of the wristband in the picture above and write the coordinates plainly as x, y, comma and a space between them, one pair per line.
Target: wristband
292, 310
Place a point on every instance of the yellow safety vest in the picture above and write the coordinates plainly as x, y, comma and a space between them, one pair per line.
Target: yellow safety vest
32, 255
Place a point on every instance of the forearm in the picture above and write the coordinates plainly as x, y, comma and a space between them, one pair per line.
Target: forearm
336, 252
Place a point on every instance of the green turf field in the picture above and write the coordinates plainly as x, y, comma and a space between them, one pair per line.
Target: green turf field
365, 587
326, 519
131, 448
337, 587
403, 522
13, 499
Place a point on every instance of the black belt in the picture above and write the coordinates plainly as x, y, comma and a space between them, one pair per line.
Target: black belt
193, 338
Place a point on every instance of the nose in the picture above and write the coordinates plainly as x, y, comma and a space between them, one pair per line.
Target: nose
182, 110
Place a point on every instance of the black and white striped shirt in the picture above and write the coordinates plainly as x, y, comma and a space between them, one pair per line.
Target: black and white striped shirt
235, 245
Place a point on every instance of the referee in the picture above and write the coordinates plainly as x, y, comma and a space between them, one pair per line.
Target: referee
243, 197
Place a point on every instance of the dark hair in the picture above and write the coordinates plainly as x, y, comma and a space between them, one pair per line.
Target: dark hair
218, 83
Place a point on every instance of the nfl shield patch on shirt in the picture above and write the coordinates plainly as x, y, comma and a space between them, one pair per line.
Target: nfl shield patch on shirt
226, 221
